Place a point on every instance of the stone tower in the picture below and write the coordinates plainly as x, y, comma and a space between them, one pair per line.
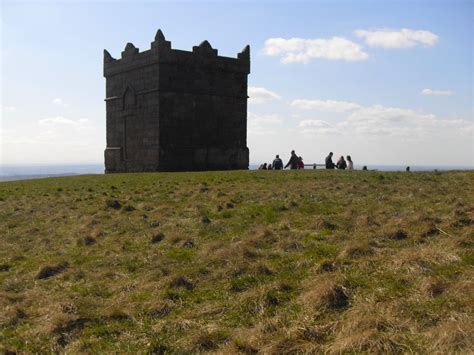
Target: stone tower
174, 110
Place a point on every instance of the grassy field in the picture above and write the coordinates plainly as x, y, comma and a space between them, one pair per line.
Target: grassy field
250, 261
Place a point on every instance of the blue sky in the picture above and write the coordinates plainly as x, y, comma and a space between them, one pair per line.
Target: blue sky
387, 82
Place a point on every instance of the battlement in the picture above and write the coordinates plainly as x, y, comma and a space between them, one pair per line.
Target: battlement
161, 52
174, 110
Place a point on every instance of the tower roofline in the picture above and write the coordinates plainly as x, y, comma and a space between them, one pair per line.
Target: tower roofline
161, 52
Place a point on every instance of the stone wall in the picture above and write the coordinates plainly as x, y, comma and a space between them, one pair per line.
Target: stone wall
173, 110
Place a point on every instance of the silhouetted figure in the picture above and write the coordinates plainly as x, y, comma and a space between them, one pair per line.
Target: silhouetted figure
277, 163
328, 161
293, 162
270, 167
341, 163
264, 166
407, 169
300, 163
350, 164
364, 167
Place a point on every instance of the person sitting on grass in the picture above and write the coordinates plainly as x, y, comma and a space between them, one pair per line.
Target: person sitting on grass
293, 162
300, 163
328, 161
341, 163
277, 163
350, 164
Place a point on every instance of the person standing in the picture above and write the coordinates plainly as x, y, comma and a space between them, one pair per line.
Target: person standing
293, 162
350, 164
277, 163
328, 161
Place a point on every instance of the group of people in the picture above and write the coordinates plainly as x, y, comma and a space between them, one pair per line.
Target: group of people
296, 162
341, 163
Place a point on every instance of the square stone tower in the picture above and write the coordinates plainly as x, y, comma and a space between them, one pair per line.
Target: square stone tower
174, 110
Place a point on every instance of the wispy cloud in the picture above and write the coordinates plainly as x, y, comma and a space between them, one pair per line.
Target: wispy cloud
59, 120
431, 92
59, 102
5, 132
52, 131
9, 108
260, 95
317, 127
59, 125
379, 120
325, 105
301, 50
314, 123
263, 124
403, 38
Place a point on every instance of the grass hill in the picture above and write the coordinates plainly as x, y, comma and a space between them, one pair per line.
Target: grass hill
250, 261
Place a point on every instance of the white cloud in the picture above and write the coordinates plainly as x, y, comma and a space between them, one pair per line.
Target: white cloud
5, 132
53, 140
359, 120
314, 123
59, 102
403, 38
260, 95
431, 92
58, 125
315, 127
379, 114
263, 124
300, 50
392, 121
59, 120
55, 130
9, 108
325, 105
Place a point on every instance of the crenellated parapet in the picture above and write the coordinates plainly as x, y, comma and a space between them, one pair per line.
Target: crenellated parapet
174, 110
160, 41
161, 52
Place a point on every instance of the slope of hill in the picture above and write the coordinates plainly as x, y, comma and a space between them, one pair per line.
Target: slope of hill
238, 262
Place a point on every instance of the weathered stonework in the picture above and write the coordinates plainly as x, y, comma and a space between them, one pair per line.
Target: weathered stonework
173, 110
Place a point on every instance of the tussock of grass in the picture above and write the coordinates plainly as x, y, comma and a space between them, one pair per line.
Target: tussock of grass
157, 238
50, 271
227, 262
87, 240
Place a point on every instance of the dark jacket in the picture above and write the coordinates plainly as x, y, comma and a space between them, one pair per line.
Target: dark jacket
293, 162
329, 163
277, 164
341, 164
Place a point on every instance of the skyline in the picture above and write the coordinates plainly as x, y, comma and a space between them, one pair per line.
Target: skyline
387, 83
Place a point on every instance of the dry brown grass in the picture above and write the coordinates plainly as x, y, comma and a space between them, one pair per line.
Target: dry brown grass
238, 262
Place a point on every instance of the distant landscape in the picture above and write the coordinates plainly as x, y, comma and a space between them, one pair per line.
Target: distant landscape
23, 172
238, 262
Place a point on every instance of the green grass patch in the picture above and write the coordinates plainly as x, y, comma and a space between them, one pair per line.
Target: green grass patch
247, 261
